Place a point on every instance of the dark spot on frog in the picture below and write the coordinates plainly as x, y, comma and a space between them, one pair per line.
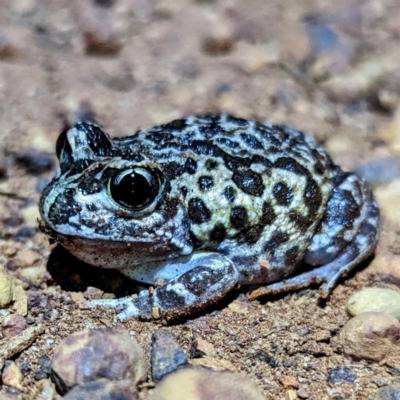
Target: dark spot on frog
199, 279
237, 121
276, 240
178, 124
211, 164
195, 240
91, 207
205, 182
251, 141
132, 157
239, 218
312, 197
318, 165
190, 166
184, 191
342, 209
170, 299
218, 233
90, 185
159, 137
257, 159
253, 234
169, 207
302, 222
172, 170
268, 215
292, 256
290, 164
249, 182
231, 144
230, 193
198, 211
283, 194
212, 129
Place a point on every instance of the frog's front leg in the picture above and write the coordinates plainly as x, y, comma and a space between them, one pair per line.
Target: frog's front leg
207, 278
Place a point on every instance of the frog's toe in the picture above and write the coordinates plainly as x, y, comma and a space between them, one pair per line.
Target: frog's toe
130, 310
126, 306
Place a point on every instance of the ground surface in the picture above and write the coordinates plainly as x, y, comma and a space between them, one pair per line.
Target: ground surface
329, 68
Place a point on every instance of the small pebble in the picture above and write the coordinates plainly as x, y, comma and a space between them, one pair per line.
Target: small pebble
44, 369
99, 36
391, 392
13, 325
25, 233
31, 214
6, 288
201, 384
35, 275
92, 293
201, 347
26, 258
289, 381
220, 41
12, 375
92, 354
9, 393
303, 393
46, 390
166, 354
337, 374
382, 300
372, 336
104, 390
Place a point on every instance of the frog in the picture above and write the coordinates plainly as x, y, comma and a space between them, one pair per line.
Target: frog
203, 205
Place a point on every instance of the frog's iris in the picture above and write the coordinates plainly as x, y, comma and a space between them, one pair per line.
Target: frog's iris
134, 189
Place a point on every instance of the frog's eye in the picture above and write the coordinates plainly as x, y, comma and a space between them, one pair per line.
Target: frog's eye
63, 148
134, 189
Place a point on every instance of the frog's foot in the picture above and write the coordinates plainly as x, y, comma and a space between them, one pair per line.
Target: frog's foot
192, 291
327, 274
126, 305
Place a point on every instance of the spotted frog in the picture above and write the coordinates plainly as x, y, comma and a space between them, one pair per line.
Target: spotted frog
202, 205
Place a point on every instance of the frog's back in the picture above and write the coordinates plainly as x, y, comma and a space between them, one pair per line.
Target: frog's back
223, 136
250, 190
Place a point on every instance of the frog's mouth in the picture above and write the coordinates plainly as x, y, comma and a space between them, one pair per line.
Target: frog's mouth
116, 254
49, 232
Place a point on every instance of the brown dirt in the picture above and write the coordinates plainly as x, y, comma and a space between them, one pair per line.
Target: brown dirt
139, 63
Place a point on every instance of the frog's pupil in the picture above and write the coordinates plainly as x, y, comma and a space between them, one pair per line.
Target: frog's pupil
133, 190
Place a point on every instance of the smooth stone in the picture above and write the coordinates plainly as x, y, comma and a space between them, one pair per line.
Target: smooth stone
382, 300
372, 336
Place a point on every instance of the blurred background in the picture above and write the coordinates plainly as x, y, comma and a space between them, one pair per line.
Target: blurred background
331, 68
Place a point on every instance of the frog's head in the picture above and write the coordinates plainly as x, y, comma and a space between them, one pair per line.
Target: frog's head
109, 203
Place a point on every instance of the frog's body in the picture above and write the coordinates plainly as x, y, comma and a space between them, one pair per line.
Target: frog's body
204, 204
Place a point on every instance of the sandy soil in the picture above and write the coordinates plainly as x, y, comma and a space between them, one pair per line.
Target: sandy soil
329, 68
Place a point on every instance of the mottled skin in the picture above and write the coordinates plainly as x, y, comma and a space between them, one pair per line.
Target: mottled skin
233, 202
